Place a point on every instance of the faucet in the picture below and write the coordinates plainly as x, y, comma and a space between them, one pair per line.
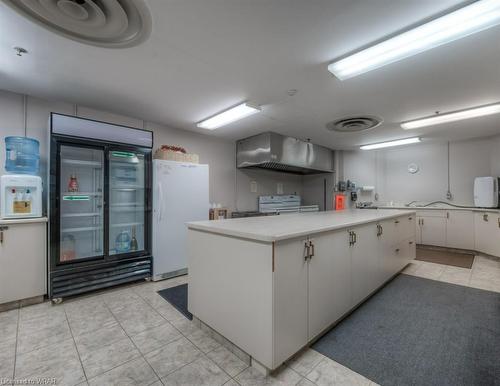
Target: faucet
412, 202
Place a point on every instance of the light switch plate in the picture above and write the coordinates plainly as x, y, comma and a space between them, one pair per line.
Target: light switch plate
253, 186
279, 188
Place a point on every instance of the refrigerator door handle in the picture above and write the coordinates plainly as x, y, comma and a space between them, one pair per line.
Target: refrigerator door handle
160, 202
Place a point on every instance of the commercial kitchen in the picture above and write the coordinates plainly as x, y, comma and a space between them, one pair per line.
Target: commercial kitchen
250, 192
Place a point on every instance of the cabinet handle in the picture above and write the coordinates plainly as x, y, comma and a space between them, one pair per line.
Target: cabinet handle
311, 254
381, 230
351, 238
355, 239
485, 217
2, 228
410, 218
447, 215
499, 222
411, 242
422, 221
306, 250
396, 222
397, 250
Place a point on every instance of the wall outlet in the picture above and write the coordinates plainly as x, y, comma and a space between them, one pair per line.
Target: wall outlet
279, 188
253, 186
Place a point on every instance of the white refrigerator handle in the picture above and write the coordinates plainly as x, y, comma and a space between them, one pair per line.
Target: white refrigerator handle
160, 202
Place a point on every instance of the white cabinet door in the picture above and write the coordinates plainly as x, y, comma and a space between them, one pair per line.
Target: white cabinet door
433, 231
487, 232
412, 250
419, 230
460, 229
23, 262
329, 280
290, 299
365, 262
387, 242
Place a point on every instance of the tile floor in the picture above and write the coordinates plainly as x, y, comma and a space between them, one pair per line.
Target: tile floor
132, 336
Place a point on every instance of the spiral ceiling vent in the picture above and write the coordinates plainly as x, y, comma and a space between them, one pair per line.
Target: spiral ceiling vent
105, 23
354, 124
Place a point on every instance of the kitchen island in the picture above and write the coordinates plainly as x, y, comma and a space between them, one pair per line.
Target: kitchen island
272, 285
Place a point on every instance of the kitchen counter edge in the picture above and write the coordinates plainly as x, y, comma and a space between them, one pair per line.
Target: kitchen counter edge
12, 221
204, 227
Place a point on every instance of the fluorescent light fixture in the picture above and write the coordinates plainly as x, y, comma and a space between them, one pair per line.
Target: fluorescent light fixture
452, 117
398, 142
233, 114
465, 21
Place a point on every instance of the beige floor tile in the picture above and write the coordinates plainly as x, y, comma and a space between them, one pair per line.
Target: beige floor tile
487, 285
88, 316
231, 382
486, 274
284, 376
29, 339
186, 326
31, 323
90, 342
8, 325
59, 361
203, 341
155, 337
136, 372
411, 268
106, 358
173, 356
138, 317
201, 372
305, 382
430, 271
455, 275
227, 361
485, 262
121, 299
305, 361
40, 311
7, 358
329, 372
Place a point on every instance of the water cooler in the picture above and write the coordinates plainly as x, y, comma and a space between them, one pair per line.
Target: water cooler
21, 189
21, 196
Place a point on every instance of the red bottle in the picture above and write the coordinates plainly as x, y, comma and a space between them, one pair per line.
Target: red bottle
73, 184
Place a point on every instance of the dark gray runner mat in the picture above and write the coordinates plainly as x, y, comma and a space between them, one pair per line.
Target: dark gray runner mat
178, 297
416, 331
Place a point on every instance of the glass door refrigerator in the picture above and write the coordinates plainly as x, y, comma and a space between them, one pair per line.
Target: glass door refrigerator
99, 205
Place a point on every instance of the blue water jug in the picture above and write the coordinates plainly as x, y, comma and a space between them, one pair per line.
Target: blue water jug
122, 242
22, 155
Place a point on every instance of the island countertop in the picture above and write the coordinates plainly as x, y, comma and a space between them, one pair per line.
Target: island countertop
287, 226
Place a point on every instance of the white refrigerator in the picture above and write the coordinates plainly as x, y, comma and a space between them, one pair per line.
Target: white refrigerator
180, 195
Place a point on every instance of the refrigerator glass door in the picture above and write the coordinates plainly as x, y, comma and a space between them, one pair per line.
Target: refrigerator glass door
81, 203
126, 202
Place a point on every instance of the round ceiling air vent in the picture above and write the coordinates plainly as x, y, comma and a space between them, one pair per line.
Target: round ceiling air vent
104, 23
354, 124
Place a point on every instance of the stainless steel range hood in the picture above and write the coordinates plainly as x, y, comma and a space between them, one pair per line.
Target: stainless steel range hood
285, 154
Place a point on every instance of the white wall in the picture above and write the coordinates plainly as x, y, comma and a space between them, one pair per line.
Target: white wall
228, 186
387, 170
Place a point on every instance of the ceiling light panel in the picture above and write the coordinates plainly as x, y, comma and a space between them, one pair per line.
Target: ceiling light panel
233, 114
465, 21
398, 142
452, 117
